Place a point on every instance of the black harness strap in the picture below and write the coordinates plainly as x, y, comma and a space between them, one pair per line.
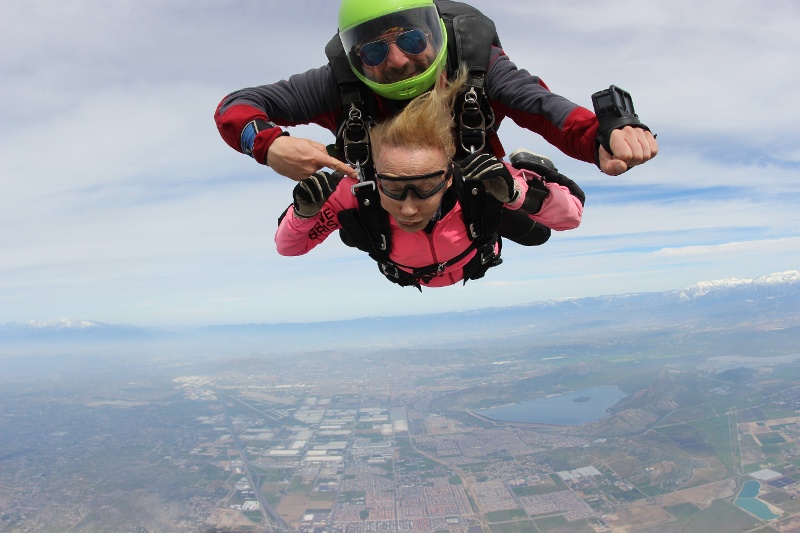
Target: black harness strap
352, 138
486, 258
473, 35
374, 216
481, 209
367, 228
482, 213
427, 273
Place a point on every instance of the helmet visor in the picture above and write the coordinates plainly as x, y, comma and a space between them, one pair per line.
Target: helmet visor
416, 32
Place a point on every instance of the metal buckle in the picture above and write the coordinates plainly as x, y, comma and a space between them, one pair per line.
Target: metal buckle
488, 254
360, 185
355, 136
362, 181
471, 110
394, 272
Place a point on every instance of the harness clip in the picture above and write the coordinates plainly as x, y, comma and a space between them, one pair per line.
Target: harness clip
488, 254
354, 133
389, 269
360, 185
472, 123
472, 119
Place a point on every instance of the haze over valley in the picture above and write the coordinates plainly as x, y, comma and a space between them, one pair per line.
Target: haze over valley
656, 412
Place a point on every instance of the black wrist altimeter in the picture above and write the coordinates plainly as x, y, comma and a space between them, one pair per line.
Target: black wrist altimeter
614, 110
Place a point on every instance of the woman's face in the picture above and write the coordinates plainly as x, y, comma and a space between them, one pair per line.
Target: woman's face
412, 213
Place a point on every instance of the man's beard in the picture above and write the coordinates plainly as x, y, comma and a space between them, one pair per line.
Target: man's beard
415, 67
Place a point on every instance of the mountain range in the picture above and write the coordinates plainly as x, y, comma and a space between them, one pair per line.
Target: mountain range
722, 315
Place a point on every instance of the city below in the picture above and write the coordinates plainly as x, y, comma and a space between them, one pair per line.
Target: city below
654, 429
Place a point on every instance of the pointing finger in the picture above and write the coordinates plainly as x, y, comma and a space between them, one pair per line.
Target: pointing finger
339, 166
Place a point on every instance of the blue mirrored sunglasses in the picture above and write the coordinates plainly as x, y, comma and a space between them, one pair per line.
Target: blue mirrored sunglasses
401, 195
411, 42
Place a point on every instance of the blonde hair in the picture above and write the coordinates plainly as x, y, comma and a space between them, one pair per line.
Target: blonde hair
427, 121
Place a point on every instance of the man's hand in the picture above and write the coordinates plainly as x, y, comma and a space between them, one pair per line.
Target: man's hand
492, 173
297, 158
311, 193
631, 147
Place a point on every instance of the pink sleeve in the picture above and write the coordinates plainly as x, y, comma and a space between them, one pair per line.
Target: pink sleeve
296, 236
560, 210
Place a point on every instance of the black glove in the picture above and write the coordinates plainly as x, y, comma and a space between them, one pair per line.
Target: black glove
492, 173
311, 193
561, 179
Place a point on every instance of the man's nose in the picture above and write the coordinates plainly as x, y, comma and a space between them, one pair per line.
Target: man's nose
396, 58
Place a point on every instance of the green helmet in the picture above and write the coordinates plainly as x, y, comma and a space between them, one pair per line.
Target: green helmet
411, 25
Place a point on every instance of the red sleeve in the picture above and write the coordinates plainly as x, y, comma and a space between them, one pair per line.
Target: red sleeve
579, 134
232, 121
311, 97
526, 99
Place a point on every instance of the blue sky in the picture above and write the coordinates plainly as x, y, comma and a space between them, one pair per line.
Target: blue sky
120, 203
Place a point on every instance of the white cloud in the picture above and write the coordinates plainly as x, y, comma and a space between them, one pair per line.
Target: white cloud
120, 203
785, 245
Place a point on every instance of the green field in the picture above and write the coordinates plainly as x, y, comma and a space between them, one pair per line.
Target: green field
562, 525
771, 438
721, 516
525, 526
505, 516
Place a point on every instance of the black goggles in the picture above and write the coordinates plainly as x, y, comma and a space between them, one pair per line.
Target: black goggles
411, 42
422, 195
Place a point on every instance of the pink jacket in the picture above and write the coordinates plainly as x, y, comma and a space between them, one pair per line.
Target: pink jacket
449, 238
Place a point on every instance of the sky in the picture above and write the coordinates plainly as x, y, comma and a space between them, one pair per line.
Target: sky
120, 203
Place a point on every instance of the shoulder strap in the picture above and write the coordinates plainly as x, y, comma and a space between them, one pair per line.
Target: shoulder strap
337, 59
352, 137
482, 213
481, 210
374, 217
470, 37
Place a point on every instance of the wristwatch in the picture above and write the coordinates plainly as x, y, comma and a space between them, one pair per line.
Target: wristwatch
250, 131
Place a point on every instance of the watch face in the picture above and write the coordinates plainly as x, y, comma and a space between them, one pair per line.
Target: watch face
262, 125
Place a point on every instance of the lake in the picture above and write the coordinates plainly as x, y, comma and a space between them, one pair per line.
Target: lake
747, 500
569, 409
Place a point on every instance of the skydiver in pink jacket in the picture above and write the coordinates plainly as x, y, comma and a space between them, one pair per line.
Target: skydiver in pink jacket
426, 220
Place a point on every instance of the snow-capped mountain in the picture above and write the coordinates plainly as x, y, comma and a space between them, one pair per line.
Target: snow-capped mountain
749, 308
770, 303
66, 329
704, 287
63, 323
